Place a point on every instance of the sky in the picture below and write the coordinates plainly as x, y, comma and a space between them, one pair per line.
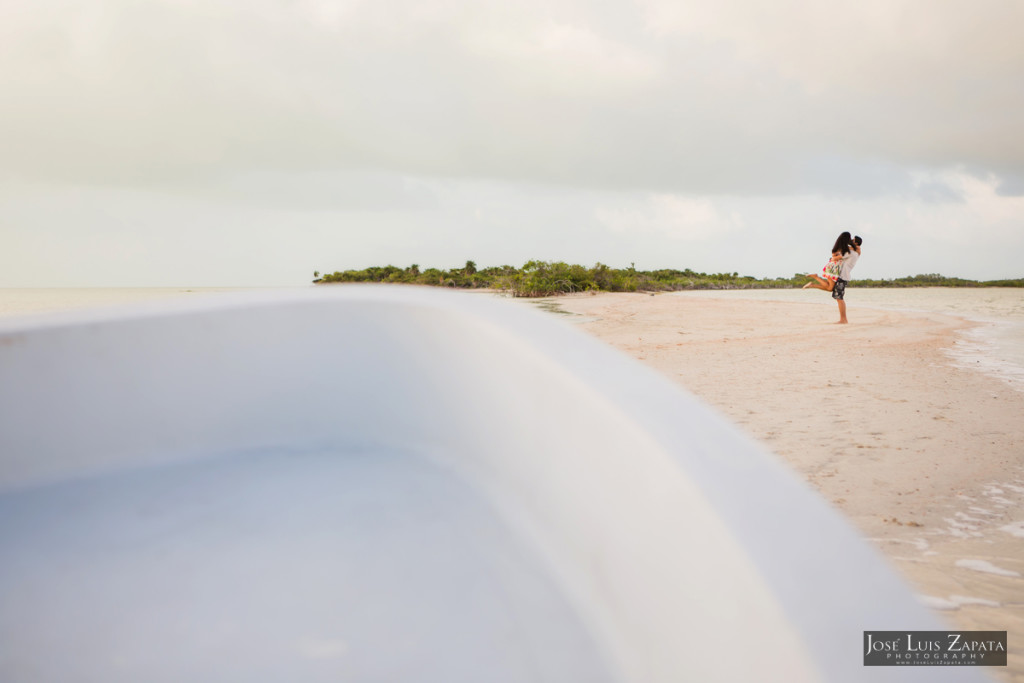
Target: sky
226, 143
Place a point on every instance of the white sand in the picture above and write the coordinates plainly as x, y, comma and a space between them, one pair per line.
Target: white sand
925, 458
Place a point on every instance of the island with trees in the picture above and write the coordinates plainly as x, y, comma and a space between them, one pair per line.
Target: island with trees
548, 278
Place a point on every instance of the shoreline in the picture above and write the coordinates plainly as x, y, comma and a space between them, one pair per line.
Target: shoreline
921, 456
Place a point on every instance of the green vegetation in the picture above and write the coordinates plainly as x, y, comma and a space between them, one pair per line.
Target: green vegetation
543, 278
936, 280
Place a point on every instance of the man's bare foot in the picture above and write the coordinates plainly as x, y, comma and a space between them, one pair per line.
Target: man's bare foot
808, 285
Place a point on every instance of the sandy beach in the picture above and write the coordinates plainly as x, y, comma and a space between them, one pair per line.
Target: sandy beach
924, 458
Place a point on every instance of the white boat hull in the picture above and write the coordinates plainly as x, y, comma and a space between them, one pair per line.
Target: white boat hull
384, 483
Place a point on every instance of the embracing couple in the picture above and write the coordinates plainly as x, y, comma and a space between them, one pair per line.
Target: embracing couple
836, 273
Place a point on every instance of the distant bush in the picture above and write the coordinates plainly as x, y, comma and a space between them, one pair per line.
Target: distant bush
544, 278
936, 280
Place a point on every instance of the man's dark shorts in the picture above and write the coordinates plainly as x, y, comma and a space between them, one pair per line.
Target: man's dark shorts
840, 289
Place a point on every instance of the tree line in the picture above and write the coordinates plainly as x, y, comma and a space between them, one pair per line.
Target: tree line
546, 278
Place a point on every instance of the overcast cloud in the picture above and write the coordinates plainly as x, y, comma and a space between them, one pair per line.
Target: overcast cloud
216, 142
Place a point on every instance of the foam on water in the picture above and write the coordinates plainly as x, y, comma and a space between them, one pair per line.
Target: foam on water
985, 567
995, 348
1015, 529
955, 602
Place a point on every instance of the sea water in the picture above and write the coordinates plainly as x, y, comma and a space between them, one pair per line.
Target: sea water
31, 301
995, 345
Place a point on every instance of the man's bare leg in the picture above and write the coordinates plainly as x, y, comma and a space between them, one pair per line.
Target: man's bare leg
842, 312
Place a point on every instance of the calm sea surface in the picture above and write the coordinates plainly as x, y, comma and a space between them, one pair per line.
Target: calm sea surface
31, 301
995, 347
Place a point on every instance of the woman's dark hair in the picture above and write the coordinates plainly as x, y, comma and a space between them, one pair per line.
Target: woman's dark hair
843, 244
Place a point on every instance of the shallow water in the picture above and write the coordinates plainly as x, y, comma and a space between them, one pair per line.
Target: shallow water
29, 301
